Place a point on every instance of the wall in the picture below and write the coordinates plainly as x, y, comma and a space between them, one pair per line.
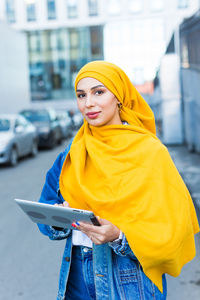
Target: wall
14, 76
171, 109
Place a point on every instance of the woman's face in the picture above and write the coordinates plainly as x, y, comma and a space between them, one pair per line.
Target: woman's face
96, 103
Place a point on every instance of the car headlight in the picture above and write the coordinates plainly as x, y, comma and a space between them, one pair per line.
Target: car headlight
3, 144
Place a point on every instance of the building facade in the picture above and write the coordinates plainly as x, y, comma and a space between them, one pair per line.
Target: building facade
190, 79
14, 71
65, 34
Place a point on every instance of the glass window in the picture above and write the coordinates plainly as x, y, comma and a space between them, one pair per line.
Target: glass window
182, 3
51, 8
34, 42
62, 53
36, 115
96, 38
30, 10
74, 38
93, 7
72, 8
114, 7
53, 40
10, 11
135, 6
157, 5
4, 124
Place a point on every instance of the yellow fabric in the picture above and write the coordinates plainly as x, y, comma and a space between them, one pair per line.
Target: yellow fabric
124, 174
134, 109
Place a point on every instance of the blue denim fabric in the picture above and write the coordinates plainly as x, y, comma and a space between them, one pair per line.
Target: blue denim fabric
118, 274
80, 283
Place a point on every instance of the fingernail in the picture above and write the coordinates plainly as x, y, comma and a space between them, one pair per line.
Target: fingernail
77, 223
73, 225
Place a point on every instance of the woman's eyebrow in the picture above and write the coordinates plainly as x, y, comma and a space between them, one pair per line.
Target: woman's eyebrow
92, 88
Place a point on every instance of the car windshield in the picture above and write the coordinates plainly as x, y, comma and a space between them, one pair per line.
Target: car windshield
36, 116
4, 125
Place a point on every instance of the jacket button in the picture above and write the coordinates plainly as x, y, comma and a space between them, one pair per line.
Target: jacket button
67, 258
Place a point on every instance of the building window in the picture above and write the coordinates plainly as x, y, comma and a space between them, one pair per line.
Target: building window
182, 3
157, 5
56, 56
135, 6
51, 8
10, 11
34, 42
30, 10
114, 7
72, 8
93, 7
96, 38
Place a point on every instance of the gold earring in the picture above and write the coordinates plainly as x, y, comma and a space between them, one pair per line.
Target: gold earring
119, 106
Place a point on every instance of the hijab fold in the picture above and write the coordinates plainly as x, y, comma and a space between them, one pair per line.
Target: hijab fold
124, 174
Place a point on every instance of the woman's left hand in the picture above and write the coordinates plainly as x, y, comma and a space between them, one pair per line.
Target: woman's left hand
105, 233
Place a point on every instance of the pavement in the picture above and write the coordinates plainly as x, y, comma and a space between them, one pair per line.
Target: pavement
188, 164
187, 284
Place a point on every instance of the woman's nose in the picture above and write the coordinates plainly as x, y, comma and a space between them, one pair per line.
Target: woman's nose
89, 101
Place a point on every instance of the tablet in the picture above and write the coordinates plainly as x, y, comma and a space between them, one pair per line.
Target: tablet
58, 216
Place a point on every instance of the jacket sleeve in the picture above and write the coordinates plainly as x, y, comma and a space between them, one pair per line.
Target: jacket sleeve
121, 247
51, 195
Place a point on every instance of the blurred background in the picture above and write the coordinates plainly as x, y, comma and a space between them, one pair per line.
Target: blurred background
43, 44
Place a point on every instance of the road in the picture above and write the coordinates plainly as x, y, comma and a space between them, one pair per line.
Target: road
29, 261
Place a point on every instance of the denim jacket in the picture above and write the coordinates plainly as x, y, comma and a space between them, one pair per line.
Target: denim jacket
117, 272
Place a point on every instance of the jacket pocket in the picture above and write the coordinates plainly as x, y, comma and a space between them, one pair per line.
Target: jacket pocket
127, 278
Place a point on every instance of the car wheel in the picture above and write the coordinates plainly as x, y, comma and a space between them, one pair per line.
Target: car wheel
34, 149
13, 157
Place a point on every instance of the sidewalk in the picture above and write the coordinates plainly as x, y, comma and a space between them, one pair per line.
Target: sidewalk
187, 284
188, 165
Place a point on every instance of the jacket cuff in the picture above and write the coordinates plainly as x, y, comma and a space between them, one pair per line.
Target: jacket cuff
121, 247
53, 233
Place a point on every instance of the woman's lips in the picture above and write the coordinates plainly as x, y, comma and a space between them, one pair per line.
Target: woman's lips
93, 115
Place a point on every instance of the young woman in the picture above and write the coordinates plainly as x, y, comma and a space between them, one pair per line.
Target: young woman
117, 168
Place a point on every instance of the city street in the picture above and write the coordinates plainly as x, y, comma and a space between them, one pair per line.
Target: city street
30, 262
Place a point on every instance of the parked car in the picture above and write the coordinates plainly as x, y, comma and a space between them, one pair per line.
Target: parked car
77, 120
18, 138
47, 124
65, 123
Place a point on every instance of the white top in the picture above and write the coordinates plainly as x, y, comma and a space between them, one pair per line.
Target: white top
80, 239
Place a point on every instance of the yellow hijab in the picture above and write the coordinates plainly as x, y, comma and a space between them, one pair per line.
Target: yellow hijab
124, 174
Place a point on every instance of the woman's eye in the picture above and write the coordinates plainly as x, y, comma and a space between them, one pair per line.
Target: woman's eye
80, 95
99, 92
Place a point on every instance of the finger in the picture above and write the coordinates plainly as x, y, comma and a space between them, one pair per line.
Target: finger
98, 239
58, 204
88, 227
66, 204
95, 240
103, 221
